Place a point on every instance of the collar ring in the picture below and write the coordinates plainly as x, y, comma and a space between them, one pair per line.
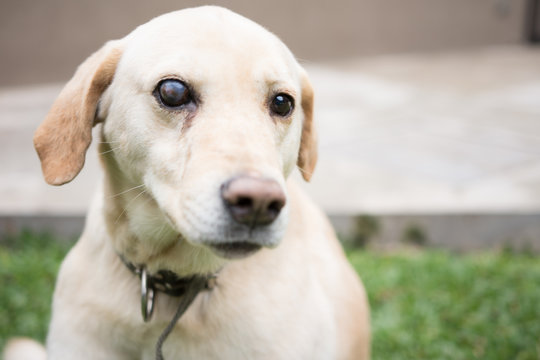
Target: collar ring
147, 296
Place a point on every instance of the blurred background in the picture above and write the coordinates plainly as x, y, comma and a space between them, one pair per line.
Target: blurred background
44, 41
428, 114
427, 110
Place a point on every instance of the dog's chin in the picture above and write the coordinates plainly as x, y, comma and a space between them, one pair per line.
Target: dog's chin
229, 240
234, 250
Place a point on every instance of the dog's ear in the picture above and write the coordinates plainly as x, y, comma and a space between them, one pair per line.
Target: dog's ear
62, 139
307, 156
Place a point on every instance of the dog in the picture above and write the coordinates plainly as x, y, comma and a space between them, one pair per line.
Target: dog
197, 245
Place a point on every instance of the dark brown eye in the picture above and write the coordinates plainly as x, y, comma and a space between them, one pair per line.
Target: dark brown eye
173, 93
282, 104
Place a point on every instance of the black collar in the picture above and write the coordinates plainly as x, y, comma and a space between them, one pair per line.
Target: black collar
164, 281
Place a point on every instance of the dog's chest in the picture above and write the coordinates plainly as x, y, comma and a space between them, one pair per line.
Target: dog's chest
235, 341
221, 328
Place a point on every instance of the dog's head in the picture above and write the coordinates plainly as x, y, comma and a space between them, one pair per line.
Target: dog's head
205, 114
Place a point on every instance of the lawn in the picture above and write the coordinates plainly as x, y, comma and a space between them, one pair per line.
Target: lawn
437, 305
425, 304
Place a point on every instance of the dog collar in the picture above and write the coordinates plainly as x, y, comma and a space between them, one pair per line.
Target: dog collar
167, 282
187, 288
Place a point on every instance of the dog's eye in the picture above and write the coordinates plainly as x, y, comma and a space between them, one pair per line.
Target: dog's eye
173, 93
282, 104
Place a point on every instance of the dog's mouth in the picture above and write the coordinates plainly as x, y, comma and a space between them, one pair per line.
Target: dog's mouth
235, 250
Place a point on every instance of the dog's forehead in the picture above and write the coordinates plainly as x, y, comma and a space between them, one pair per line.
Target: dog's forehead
205, 39
201, 23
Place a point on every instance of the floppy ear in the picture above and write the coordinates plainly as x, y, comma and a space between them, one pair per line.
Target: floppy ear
307, 157
62, 139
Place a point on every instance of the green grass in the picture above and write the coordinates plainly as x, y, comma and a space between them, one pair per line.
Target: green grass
28, 267
425, 305
435, 305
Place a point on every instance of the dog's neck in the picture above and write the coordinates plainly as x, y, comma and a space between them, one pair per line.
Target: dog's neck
140, 232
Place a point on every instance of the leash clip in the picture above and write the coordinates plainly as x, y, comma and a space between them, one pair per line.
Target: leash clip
147, 296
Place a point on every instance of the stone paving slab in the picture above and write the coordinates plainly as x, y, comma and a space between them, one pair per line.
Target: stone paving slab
443, 133
424, 133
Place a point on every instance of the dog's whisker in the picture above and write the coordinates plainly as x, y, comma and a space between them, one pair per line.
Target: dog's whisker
304, 61
108, 142
126, 191
110, 150
127, 206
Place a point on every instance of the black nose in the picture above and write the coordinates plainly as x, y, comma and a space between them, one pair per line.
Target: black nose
253, 201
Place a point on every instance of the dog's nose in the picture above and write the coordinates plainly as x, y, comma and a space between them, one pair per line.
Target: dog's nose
253, 201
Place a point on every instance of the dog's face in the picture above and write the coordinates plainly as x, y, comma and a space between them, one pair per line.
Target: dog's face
206, 114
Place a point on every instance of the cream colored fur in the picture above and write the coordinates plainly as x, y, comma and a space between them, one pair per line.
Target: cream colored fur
159, 204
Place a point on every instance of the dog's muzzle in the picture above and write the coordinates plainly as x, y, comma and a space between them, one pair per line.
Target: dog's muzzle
253, 205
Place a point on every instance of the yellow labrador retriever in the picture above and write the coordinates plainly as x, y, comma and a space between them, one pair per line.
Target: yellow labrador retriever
196, 246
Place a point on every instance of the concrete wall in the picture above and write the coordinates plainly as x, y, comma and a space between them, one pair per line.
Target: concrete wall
43, 41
